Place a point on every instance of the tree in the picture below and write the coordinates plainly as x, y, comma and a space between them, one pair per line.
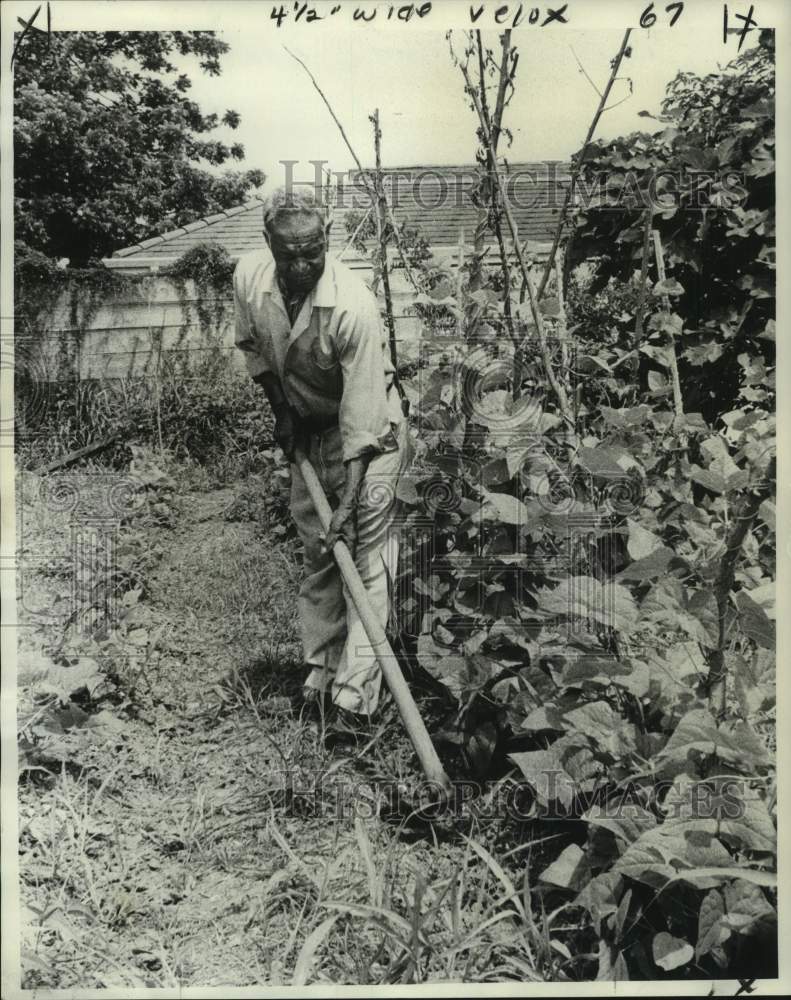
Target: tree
108, 147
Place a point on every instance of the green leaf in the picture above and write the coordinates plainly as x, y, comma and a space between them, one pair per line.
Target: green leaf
556, 774
746, 906
620, 970
670, 851
505, 508
751, 829
542, 719
641, 543
450, 669
696, 731
676, 668
628, 417
658, 383
659, 354
598, 721
619, 920
702, 604
544, 771
650, 567
754, 680
671, 952
307, 952
495, 472
721, 474
568, 871
719, 874
627, 821
605, 460
711, 931
600, 897
605, 670
709, 480
585, 597
705, 352
84, 675
736, 743
768, 514
721, 807
754, 621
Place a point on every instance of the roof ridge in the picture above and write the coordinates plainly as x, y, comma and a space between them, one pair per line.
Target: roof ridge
189, 227
462, 166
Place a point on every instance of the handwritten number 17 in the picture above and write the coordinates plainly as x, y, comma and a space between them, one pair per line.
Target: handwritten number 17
648, 17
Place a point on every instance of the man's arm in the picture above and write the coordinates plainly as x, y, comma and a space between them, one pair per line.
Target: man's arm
286, 421
363, 415
344, 518
287, 427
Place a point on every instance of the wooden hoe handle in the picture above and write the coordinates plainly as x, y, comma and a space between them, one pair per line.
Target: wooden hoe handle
410, 715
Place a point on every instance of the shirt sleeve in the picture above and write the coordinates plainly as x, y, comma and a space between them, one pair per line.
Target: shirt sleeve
245, 337
364, 415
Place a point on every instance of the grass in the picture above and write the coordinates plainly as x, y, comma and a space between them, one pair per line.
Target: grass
206, 836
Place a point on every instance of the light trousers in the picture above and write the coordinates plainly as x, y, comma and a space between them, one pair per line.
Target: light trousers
333, 637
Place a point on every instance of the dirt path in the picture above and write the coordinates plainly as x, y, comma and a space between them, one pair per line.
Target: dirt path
184, 825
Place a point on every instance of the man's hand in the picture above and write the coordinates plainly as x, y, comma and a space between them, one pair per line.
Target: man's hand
344, 521
288, 433
343, 526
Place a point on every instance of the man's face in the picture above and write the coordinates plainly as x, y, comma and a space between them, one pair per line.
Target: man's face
298, 245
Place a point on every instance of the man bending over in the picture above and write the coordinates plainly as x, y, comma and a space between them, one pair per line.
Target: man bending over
312, 337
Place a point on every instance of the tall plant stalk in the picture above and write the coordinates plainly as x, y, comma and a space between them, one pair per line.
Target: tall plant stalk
579, 159
723, 585
491, 200
557, 388
381, 218
369, 187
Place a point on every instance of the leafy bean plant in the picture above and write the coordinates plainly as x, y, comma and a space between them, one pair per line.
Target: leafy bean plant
596, 602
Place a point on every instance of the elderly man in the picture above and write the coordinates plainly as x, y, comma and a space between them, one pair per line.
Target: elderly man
312, 337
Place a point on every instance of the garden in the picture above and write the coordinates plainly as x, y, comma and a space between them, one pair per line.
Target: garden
585, 609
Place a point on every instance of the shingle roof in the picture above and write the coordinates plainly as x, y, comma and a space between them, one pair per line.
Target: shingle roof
436, 198
238, 229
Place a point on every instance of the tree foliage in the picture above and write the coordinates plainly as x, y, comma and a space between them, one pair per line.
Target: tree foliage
709, 175
109, 149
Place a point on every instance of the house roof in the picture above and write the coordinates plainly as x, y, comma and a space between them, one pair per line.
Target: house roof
438, 199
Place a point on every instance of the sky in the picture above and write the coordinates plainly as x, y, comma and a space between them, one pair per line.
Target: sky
424, 116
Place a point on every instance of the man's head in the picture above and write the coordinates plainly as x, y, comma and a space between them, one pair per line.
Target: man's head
296, 231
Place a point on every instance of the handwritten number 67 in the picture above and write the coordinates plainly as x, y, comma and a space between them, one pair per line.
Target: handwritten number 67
648, 17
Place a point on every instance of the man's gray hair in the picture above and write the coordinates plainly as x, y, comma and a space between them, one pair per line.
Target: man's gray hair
289, 201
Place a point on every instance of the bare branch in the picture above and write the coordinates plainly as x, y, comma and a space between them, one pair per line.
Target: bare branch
638, 327
365, 179
623, 100
576, 166
335, 118
584, 71
678, 403
557, 388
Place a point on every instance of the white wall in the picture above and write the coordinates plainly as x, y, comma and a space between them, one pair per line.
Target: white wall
147, 321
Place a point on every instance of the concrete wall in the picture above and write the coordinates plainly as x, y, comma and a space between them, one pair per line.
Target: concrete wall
131, 330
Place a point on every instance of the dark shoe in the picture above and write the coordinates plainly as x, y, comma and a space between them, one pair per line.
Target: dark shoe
343, 726
315, 704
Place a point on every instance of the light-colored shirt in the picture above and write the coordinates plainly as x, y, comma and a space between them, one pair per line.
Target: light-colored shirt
333, 362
